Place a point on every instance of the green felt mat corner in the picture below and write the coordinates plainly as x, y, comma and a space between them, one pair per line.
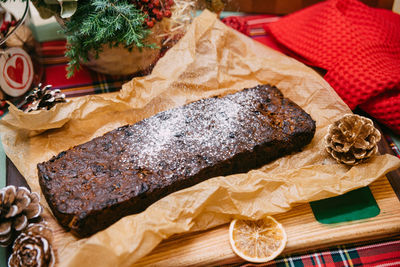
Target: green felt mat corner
355, 205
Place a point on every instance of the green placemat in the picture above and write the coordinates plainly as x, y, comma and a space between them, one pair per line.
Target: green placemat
355, 205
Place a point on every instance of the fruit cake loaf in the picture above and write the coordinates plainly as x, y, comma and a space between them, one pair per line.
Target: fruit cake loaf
92, 185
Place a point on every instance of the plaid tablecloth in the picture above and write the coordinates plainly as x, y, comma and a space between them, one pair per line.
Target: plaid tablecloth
380, 254
85, 82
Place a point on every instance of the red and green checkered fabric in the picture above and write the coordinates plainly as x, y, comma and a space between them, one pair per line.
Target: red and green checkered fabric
84, 82
382, 254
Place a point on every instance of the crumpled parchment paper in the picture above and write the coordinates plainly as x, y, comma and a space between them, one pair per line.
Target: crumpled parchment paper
211, 59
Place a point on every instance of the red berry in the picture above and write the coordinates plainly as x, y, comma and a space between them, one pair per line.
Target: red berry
13, 22
156, 2
170, 2
150, 24
167, 13
150, 6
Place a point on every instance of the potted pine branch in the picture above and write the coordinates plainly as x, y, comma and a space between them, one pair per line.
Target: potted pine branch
117, 36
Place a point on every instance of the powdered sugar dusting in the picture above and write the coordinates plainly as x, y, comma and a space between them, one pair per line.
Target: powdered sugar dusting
197, 130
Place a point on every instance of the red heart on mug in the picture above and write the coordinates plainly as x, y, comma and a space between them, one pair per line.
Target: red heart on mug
16, 73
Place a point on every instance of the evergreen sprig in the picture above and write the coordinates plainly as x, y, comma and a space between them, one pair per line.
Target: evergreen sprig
100, 22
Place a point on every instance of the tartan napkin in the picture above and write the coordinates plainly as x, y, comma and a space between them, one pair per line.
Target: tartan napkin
359, 46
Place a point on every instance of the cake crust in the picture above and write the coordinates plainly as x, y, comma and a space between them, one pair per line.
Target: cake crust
92, 185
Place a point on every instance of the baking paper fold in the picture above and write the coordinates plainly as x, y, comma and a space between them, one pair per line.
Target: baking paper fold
211, 59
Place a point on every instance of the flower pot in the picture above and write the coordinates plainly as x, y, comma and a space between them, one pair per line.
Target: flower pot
120, 61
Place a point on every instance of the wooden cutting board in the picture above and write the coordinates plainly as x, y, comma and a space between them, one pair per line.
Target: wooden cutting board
304, 233
212, 247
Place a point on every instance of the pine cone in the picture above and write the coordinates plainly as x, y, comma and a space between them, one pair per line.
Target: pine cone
33, 247
17, 207
43, 98
352, 140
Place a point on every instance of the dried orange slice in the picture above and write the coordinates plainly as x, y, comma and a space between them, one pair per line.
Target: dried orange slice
257, 241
